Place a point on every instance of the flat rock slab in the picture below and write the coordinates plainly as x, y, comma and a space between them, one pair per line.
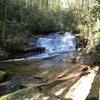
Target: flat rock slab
81, 89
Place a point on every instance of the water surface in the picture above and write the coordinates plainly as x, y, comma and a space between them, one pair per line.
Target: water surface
33, 67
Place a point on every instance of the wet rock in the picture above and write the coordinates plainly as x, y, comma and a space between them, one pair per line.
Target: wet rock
29, 93
78, 58
85, 69
19, 82
4, 88
72, 60
9, 87
79, 49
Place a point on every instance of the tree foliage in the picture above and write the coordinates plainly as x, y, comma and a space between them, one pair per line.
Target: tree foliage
21, 19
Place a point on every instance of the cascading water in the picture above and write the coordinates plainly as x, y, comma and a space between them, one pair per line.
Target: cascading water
57, 43
54, 44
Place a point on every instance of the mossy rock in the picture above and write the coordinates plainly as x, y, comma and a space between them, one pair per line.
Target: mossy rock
29, 93
2, 75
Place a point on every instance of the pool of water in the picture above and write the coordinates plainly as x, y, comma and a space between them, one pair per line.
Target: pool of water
36, 66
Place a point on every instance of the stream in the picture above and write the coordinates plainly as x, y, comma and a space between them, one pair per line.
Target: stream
28, 70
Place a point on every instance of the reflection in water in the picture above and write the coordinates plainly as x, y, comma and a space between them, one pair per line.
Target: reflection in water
60, 61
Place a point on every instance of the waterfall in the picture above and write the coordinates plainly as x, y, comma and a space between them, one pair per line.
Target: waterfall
53, 43
57, 43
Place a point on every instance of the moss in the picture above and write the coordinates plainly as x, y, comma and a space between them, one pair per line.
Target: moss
94, 93
28, 93
16, 95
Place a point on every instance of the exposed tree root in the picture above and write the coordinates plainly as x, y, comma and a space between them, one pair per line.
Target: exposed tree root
60, 80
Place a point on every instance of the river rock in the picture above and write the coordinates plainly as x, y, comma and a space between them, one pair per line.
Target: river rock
72, 60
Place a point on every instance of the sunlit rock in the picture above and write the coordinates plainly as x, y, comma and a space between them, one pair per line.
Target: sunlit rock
81, 89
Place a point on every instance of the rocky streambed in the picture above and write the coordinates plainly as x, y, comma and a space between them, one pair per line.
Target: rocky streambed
19, 75
53, 85
41, 79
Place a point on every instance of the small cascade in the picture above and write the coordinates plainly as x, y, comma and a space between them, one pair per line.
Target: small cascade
57, 43
53, 44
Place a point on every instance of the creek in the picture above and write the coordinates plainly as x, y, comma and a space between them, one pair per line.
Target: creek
59, 48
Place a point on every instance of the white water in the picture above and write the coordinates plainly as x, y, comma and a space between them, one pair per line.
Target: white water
54, 44
57, 43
